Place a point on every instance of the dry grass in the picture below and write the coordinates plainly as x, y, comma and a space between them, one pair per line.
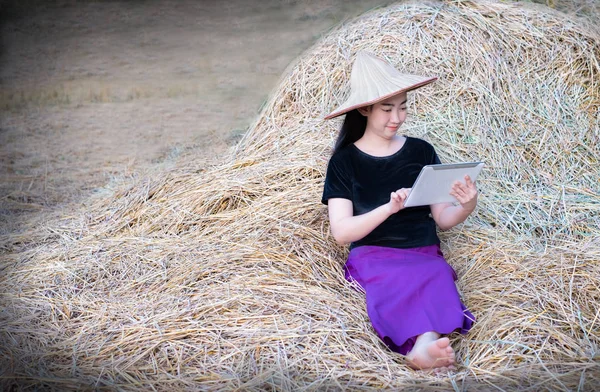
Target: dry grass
226, 278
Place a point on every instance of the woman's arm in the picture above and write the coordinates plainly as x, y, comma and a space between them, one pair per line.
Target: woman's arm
447, 215
346, 228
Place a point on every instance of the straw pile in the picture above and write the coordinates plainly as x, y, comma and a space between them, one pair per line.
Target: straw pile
227, 278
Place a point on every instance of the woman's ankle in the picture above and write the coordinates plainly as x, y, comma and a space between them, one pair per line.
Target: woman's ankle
427, 337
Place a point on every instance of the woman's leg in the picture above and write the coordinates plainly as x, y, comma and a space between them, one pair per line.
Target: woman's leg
430, 351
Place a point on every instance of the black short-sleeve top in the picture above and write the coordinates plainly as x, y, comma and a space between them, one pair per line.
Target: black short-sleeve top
368, 180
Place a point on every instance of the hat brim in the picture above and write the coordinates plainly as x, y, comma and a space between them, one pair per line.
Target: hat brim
343, 109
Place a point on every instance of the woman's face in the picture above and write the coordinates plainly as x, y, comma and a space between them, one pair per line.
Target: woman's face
384, 118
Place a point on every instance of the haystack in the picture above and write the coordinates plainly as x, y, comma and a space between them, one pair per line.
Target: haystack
227, 278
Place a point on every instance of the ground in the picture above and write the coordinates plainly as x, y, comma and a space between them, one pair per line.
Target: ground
94, 91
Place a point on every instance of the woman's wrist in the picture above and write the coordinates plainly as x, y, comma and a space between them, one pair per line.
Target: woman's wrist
389, 209
468, 209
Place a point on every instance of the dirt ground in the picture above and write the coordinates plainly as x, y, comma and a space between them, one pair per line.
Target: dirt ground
93, 92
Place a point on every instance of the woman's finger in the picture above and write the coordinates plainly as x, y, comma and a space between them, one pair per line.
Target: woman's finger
458, 188
468, 181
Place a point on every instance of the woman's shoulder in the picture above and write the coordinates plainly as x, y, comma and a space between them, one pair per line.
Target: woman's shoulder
418, 142
422, 151
343, 154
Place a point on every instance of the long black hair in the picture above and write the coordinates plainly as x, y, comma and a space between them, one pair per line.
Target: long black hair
353, 129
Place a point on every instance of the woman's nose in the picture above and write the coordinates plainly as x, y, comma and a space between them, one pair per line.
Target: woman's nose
395, 117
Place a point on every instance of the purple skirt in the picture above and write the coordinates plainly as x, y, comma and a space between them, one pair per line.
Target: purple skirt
409, 292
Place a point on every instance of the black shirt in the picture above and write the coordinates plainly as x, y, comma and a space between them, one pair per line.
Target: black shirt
367, 181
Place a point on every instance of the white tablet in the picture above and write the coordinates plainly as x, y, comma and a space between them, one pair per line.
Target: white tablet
434, 183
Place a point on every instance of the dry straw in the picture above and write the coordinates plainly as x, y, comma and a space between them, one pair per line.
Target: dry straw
227, 278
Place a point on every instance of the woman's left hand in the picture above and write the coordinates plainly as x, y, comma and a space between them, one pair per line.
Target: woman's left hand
466, 193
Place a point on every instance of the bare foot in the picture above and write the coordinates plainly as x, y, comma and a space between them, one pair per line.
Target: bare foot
430, 354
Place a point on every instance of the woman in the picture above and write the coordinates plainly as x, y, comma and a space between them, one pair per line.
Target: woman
394, 251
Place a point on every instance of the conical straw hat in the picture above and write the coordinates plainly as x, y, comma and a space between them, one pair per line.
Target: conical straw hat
373, 80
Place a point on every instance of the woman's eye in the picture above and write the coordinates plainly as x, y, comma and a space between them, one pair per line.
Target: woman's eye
389, 110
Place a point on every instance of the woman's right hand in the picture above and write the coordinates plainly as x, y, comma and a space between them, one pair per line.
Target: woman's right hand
397, 200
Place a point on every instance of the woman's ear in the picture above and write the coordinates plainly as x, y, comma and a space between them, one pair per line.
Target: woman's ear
365, 110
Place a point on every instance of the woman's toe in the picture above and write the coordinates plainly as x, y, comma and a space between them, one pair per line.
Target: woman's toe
452, 357
441, 370
443, 343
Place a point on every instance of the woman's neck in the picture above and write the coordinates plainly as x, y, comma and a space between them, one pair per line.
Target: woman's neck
378, 146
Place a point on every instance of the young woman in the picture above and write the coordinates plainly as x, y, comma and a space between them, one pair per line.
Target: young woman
394, 251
